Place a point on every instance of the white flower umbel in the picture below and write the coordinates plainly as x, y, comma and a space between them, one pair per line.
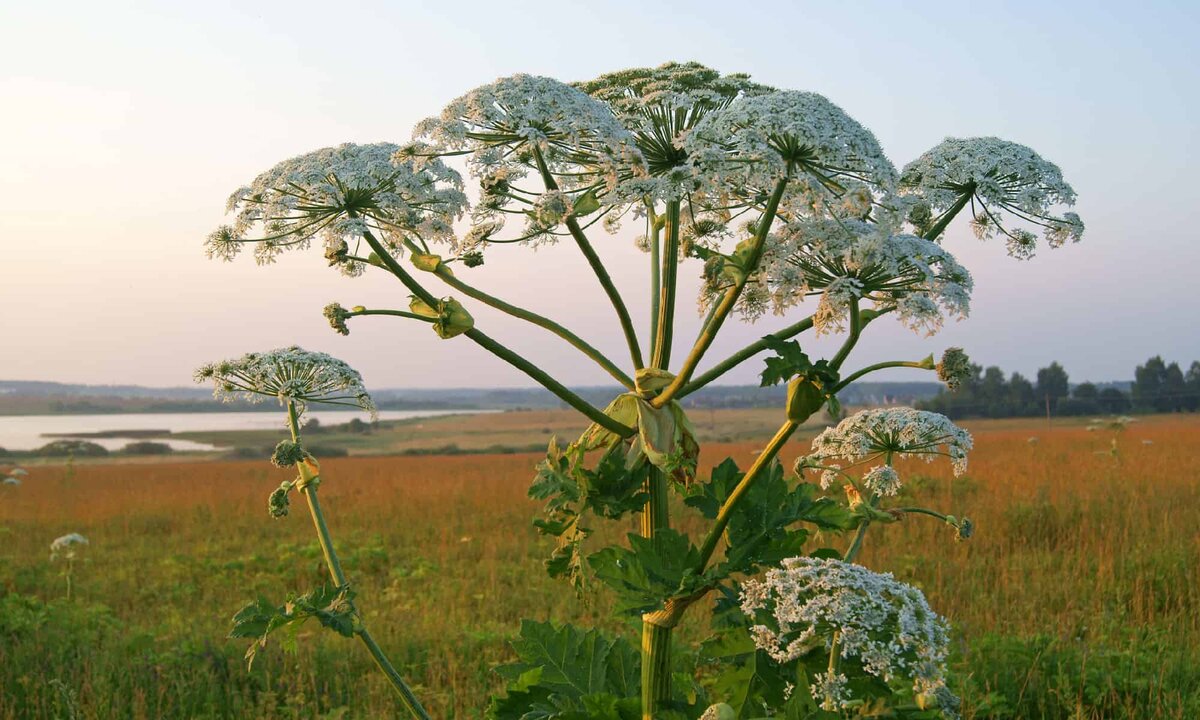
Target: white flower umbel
338, 193
997, 178
884, 626
660, 106
66, 546
10, 480
845, 259
755, 141
291, 375
502, 124
887, 433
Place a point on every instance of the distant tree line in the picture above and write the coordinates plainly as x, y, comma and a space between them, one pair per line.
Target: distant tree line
1158, 387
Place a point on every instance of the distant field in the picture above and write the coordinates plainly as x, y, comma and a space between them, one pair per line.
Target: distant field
1078, 598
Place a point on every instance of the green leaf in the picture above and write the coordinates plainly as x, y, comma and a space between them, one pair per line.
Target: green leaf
569, 674
765, 526
612, 489
332, 607
789, 360
648, 572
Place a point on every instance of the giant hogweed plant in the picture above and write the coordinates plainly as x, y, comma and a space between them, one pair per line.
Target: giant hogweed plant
781, 202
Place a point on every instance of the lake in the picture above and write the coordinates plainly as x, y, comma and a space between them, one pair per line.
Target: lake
28, 432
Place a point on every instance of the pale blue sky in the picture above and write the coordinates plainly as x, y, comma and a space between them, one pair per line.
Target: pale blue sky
126, 124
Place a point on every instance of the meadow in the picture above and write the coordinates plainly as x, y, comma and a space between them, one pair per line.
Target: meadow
1078, 597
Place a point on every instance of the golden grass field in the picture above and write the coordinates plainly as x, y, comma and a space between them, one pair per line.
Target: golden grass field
1079, 596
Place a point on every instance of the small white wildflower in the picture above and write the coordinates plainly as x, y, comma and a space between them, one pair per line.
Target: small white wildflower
65, 546
18, 472
897, 431
10, 480
289, 374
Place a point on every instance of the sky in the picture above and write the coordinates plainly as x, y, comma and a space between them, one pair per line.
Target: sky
127, 124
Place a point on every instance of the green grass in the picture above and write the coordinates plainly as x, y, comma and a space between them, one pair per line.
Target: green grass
1079, 598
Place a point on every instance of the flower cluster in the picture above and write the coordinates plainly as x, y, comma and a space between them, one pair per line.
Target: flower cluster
755, 141
847, 260
887, 432
13, 476
954, 368
885, 626
997, 178
65, 546
338, 194
660, 106
291, 375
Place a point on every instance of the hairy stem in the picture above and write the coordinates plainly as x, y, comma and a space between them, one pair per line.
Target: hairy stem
656, 638
656, 668
309, 490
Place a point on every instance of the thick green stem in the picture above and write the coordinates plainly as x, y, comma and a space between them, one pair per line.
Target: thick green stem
941, 225
656, 668
635, 349
655, 240
742, 356
709, 332
447, 276
656, 513
593, 413
761, 463
665, 324
656, 637
308, 489
856, 327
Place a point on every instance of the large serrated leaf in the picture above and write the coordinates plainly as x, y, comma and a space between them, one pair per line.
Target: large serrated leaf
565, 673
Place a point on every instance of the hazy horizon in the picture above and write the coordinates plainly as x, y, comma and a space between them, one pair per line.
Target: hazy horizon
129, 123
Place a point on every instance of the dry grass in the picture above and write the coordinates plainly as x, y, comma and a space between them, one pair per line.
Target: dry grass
1072, 544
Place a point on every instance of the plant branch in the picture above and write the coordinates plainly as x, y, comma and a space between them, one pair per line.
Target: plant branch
668, 275
919, 365
309, 481
635, 350
545, 380
447, 276
713, 326
949, 215
761, 463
